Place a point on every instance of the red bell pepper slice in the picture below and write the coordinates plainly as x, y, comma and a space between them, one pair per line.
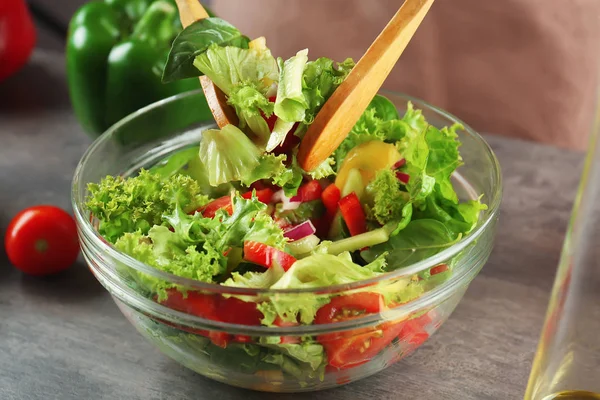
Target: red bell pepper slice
330, 198
353, 214
262, 254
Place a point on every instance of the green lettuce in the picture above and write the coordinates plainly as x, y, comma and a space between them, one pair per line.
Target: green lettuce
386, 200
229, 67
195, 40
291, 105
250, 105
246, 76
227, 155
195, 246
311, 273
320, 79
138, 203
420, 239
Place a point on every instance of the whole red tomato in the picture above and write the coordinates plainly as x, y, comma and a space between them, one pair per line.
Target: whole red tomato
42, 240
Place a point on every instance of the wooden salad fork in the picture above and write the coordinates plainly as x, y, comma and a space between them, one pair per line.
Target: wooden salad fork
345, 106
191, 11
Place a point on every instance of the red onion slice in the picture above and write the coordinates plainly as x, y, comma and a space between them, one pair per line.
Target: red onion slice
300, 231
402, 177
399, 164
286, 202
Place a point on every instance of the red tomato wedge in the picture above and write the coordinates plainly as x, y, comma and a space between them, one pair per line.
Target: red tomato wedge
209, 210
286, 339
353, 214
352, 348
261, 254
414, 331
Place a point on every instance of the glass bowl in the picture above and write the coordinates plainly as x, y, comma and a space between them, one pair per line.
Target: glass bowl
270, 358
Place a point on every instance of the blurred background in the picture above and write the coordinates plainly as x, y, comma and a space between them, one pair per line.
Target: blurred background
520, 68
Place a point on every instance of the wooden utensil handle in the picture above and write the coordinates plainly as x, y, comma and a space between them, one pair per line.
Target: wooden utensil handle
348, 102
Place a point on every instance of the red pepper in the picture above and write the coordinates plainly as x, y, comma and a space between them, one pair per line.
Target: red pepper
353, 214
330, 197
17, 36
310, 191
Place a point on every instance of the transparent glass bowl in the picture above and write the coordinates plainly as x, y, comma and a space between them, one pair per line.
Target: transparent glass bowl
244, 355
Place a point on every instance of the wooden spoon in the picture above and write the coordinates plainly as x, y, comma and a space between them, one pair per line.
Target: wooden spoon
343, 109
191, 11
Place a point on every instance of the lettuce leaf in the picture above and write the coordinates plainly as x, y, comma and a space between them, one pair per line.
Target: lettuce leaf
138, 203
250, 105
291, 105
227, 155
386, 201
196, 39
194, 247
321, 78
230, 66
422, 238
310, 272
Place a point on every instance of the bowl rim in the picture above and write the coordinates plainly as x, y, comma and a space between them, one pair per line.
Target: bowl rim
85, 226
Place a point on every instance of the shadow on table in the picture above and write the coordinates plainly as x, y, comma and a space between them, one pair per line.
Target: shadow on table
75, 285
185, 383
39, 86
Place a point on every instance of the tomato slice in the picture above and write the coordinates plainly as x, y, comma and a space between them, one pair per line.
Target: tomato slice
210, 209
330, 197
353, 214
286, 339
262, 254
352, 348
414, 331
217, 308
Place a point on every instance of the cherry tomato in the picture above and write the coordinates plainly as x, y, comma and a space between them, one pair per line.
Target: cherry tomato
353, 348
261, 254
216, 308
42, 240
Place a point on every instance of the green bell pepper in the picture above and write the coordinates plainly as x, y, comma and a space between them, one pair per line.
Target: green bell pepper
116, 52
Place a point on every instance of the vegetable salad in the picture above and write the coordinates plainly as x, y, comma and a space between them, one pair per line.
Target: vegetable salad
237, 209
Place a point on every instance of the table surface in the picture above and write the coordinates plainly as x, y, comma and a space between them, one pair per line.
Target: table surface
63, 337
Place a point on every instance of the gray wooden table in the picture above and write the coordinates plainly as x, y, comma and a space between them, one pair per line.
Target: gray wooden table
63, 338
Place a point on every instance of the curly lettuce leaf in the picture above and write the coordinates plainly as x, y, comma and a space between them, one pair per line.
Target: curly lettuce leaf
321, 78
138, 203
444, 158
386, 200
164, 251
195, 246
324, 170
